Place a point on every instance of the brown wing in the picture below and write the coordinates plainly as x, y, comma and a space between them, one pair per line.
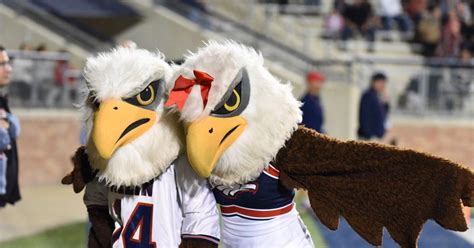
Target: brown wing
374, 186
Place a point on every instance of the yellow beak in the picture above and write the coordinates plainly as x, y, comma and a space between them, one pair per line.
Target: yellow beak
117, 123
207, 139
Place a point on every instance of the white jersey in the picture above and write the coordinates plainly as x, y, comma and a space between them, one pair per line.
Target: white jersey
285, 231
177, 204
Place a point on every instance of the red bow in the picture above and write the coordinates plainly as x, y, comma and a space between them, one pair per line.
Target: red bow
183, 86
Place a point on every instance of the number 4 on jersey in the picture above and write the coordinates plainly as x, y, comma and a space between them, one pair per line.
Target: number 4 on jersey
137, 232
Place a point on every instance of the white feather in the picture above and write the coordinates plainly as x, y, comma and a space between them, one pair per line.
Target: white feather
122, 72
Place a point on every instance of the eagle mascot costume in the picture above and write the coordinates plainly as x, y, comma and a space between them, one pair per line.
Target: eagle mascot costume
242, 134
150, 197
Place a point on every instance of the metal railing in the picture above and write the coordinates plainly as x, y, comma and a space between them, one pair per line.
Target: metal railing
43, 80
438, 91
422, 87
416, 87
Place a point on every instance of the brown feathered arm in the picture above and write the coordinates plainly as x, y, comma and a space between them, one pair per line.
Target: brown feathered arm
374, 186
102, 226
81, 173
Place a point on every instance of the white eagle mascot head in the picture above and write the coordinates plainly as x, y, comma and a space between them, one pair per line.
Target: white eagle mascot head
237, 115
130, 138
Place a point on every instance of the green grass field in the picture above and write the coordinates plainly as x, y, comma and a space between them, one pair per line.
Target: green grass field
313, 229
74, 235
71, 236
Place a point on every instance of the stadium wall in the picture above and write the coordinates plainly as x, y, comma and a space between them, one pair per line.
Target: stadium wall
48, 140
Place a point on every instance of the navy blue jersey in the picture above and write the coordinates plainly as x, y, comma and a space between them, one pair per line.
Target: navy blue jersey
261, 199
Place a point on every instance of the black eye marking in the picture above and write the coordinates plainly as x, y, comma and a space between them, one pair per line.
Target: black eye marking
232, 102
237, 97
149, 97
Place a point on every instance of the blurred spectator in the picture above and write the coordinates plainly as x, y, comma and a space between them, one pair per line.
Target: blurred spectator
442, 26
41, 48
428, 30
44, 77
313, 111
415, 8
24, 47
411, 99
63, 83
334, 24
390, 12
446, 6
22, 76
359, 18
464, 12
10, 193
450, 37
465, 53
374, 108
467, 27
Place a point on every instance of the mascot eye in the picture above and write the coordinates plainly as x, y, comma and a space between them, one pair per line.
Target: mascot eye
236, 99
147, 96
233, 102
